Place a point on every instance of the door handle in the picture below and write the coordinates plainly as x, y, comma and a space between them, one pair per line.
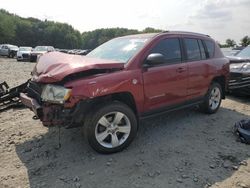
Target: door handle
180, 69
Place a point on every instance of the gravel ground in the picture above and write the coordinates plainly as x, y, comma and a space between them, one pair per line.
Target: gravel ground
181, 149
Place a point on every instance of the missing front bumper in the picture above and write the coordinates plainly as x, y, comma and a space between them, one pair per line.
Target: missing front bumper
32, 104
57, 115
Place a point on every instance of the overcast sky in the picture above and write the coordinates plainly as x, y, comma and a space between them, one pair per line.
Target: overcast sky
221, 19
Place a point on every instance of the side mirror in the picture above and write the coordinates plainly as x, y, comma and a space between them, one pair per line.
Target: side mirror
155, 59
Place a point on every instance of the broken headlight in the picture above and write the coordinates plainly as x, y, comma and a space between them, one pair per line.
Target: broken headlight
55, 94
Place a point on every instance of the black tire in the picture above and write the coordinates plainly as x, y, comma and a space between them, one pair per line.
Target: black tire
206, 107
92, 124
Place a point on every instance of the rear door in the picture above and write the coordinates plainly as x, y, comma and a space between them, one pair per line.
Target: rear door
4, 50
198, 68
166, 84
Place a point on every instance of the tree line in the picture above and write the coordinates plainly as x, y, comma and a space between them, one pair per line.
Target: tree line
32, 32
245, 41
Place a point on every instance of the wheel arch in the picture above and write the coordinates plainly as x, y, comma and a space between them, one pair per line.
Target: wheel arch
222, 81
124, 97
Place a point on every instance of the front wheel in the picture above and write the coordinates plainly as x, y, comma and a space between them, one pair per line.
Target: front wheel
212, 99
111, 127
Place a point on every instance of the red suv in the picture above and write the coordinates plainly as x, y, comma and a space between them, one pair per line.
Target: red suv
125, 79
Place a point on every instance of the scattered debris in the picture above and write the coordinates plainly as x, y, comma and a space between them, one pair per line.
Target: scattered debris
242, 129
76, 179
195, 179
91, 173
184, 176
179, 180
243, 163
77, 185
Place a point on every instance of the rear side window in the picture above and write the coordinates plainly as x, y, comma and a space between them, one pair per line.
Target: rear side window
210, 48
192, 49
170, 49
202, 50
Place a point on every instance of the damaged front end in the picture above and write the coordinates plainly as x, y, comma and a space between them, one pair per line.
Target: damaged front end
51, 93
48, 107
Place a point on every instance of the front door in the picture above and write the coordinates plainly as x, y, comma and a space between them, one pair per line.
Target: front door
165, 84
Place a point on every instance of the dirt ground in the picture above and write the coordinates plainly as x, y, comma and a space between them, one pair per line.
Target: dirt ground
181, 149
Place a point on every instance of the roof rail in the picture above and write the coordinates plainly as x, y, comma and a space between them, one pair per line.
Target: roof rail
185, 32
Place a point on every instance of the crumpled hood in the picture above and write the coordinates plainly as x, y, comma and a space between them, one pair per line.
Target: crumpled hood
54, 66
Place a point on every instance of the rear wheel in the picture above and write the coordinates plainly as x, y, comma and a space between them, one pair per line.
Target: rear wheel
111, 127
213, 99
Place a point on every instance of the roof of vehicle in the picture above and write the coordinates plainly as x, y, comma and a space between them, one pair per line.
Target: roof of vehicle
149, 35
142, 35
185, 33
25, 47
44, 46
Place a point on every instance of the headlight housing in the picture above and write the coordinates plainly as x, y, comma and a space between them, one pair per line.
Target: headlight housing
55, 94
240, 67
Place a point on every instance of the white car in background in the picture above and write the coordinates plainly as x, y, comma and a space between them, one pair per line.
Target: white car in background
40, 50
23, 53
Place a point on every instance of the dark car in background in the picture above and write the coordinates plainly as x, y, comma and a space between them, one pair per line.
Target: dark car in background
40, 50
8, 50
240, 72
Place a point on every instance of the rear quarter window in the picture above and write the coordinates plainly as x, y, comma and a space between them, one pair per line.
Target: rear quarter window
202, 50
210, 48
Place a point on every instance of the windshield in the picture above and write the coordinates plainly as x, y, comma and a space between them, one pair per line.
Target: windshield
119, 49
41, 48
244, 53
25, 49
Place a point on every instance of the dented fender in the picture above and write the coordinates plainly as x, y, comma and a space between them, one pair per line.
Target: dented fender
117, 82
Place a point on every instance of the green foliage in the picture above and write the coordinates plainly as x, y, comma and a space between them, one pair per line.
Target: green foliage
230, 43
245, 41
7, 27
97, 37
94, 38
32, 32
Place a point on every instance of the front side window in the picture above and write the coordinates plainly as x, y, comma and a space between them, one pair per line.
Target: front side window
192, 49
170, 49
